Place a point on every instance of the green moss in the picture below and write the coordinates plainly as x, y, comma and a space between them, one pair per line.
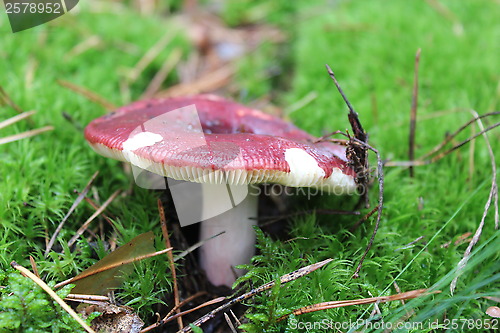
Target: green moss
25, 307
371, 47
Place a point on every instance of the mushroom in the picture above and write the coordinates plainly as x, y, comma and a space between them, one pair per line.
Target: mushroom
227, 147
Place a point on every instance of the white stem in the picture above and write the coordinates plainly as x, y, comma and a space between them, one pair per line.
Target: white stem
235, 246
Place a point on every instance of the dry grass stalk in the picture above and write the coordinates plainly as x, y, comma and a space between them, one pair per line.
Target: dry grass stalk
108, 267
492, 197
24, 135
162, 74
163, 223
208, 82
85, 225
70, 211
413, 116
170, 318
52, 294
89, 94
283, 279
15, 119
370, 300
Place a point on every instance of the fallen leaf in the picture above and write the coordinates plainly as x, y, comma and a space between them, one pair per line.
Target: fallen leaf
106, 279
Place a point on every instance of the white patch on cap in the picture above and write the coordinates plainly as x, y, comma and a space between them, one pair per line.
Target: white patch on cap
339, 183
139, 140
142, 139
304, 169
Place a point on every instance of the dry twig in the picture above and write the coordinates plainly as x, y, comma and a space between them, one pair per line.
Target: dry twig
89, 94
15, 119
70, 211
84, 226
413, 117
229, 323
6, 100
437, 152
163, 223
284, 279
195, 246
339, 304
111, 266
167, 67
82, 298
93, 204
170, 318
492, 197
24, 135
208, 82
34, 267
357, 154
150, 55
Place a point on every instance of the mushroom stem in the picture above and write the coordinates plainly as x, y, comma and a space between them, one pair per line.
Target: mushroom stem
235, 246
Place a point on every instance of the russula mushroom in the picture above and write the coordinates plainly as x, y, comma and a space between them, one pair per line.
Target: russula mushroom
208, 139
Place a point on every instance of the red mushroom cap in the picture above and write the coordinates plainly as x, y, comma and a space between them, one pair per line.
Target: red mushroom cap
206, 138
